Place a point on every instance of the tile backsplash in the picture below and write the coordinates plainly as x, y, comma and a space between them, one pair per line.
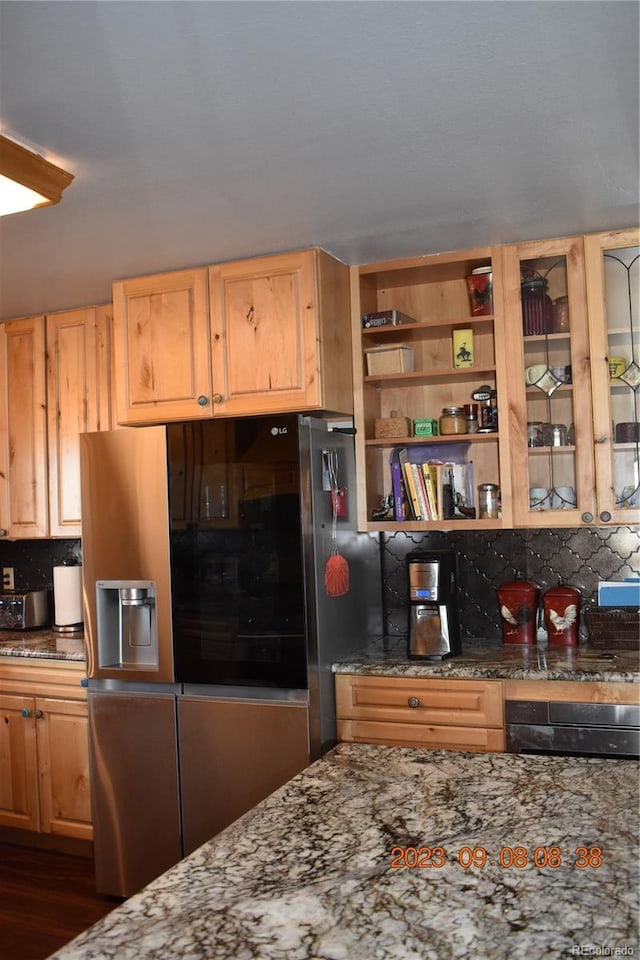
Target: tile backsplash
486, 559
581, 557
33, 560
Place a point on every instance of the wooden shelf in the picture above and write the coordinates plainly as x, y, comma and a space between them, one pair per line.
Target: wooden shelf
396, 526
422, 326
533, 391
566, 448
554, 337
423, 441
631, 445
420, 377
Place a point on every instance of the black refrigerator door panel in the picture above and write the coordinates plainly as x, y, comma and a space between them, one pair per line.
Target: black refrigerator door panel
134, 789
233, 754
238, 593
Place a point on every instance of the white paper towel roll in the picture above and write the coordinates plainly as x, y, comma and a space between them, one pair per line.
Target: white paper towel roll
67, 595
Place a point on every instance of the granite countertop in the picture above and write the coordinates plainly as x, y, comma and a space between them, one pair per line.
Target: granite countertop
481, 660
44, 644
308, 872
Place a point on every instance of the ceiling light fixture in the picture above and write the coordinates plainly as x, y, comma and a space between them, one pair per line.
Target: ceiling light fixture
27, 180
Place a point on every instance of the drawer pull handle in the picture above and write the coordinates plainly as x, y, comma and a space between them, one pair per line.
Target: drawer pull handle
413, 702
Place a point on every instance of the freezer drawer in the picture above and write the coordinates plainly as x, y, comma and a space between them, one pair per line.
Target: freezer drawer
134, 788
233, 754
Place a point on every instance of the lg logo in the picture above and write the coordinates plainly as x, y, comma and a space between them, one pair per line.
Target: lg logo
278, 431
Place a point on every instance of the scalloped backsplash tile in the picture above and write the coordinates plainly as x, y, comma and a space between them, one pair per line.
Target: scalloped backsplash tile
581, 557
486, 559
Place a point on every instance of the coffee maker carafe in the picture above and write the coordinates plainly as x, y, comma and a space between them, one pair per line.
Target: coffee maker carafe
434, 632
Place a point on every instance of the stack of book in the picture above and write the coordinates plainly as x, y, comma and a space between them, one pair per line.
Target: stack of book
430, 487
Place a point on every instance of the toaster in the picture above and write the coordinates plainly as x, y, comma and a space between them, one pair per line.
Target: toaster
25, 610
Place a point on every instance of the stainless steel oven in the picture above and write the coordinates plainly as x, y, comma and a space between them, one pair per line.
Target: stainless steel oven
588, 729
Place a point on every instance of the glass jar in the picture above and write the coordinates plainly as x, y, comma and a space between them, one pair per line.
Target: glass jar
488, 501
452, 421
537, 307
535, 433
561, 315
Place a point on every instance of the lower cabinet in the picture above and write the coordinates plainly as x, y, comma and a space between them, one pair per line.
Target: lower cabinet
44, 765
420, 712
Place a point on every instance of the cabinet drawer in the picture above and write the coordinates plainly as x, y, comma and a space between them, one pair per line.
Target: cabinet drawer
415, 701
474, 739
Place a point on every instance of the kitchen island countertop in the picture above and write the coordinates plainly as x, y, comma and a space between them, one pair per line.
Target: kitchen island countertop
43, 644
483, 661
309, 872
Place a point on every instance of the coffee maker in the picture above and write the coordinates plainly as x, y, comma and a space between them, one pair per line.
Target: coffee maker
434, 631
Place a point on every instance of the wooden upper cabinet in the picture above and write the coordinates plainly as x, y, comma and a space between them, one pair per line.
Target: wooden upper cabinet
613, 291
55, 383
161, 348
433, 292
78, 401
549, 408
280, 336
23, 440
270, 334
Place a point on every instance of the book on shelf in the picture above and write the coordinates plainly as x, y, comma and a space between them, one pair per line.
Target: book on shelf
421, 492
410, 484
400, 501
426, 487
430, 490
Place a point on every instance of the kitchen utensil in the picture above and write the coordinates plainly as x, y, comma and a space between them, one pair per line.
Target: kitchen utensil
537, 308
628, 432
539, 375
518, 605
480, 287
563, 498
539, 498
561, 315
561, 607
336, 572
434, 631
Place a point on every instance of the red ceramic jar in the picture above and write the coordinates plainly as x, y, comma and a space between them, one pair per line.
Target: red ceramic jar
561, 607
480, 287
518, 603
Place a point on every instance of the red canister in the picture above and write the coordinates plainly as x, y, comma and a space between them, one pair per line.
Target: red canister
480, 287
518, 603
561, 607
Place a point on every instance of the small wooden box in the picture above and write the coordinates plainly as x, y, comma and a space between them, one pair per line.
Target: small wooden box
394, 426
392, 358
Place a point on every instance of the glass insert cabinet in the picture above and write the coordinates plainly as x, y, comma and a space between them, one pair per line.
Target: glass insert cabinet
553, 332
613, 289
550, 403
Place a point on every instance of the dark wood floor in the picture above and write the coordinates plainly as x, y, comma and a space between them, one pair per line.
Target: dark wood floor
46, 899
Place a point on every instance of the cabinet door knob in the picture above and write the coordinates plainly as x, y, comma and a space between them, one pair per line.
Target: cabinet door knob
84, 682
605, 516
587, 517
202, 400
25, 712
414, 702
217, 398
39, 714
3, 532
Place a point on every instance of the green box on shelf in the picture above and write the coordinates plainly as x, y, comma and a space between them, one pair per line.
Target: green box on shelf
425, 428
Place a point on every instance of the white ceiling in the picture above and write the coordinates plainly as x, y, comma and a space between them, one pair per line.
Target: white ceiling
209, 131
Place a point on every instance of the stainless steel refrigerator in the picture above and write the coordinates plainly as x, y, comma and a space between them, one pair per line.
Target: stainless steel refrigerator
212, 624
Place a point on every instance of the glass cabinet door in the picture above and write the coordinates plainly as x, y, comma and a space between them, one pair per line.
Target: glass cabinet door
612, 262
550, 423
